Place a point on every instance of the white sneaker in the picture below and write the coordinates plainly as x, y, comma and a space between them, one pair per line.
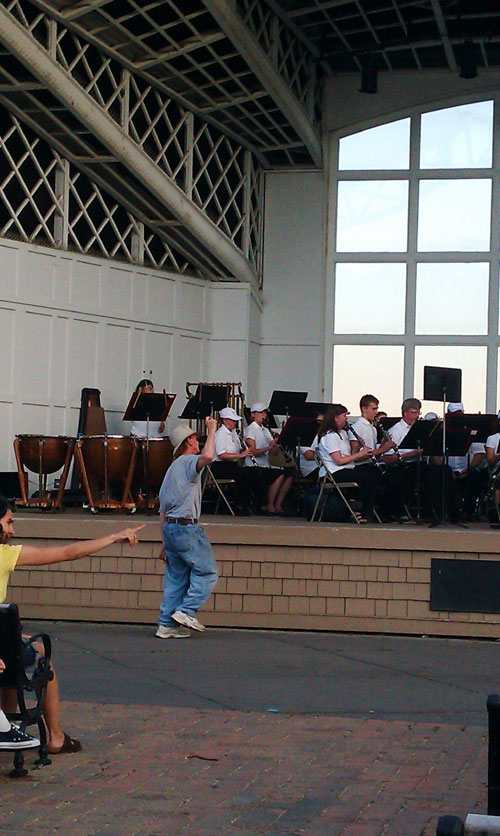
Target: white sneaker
171, 632
188, 621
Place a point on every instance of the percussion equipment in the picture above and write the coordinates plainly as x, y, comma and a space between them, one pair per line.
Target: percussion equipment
154, 457
107, 465
43, 454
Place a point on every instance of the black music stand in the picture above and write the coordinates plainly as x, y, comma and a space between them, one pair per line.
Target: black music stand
287, 403
148, 406
418, 438
298, 432
312, 409
443, 384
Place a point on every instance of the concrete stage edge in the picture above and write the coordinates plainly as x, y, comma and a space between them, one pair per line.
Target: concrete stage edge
276, 573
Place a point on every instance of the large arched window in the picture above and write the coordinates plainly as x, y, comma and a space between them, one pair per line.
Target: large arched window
413, 265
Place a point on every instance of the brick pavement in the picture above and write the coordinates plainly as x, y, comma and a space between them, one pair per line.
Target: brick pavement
275, 775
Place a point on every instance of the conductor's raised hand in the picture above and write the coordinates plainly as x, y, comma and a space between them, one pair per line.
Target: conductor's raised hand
128, 535
210, 423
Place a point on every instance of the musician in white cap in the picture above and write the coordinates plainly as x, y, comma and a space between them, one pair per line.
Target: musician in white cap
190, 571
230, 453
274, 482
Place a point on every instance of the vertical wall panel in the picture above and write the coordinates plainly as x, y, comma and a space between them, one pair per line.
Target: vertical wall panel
82, 358
33, 372
160, 301
9, 268
7, 316
36, 278
86, 286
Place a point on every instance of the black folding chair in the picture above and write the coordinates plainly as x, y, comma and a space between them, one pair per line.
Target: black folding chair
33, 681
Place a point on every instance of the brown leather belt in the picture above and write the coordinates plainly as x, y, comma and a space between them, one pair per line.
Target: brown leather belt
181, 520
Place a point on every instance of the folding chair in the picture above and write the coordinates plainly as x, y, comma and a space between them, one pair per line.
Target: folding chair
329, 483
209, 481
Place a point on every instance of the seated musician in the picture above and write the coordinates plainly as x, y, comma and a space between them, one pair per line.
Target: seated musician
334, 450
407, 463
141, 428
492, 459
469, 471
365, 428
229, 454
273, 484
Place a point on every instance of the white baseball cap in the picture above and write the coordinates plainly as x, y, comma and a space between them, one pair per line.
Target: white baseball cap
456, 407
229, 412
258, 407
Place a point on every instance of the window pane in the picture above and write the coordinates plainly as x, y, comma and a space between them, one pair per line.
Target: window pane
368, 369
452, 299
454, 215
372, 216
383, 147
370, 298
472, 361
457, 137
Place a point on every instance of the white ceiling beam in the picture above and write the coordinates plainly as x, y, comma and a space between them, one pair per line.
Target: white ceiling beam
249, 48
29, 52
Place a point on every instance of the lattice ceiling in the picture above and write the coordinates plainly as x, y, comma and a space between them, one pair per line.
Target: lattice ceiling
183, 47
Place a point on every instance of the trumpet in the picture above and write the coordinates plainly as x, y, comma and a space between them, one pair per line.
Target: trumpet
358, 438
388, 438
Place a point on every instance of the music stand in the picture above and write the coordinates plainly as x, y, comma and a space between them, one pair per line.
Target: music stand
298, 432
287, 403
148, 406
443, 384
312, 409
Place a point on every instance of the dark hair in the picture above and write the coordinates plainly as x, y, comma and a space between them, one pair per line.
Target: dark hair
142, 383
4, 506
366, 400
329, 422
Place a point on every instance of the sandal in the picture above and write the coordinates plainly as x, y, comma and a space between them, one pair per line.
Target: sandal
70, 744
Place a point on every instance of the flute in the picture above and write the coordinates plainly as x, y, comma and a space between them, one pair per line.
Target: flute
358, 438
395, 446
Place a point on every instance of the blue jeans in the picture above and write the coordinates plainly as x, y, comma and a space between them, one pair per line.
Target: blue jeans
190, 573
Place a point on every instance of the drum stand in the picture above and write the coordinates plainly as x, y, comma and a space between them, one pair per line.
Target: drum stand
106, 503
44, 499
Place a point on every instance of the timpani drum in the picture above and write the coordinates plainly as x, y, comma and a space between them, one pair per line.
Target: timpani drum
107, 464
43, 454
154, 457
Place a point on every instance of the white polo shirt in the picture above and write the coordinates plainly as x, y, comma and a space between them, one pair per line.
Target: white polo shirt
367, 432
398, 433
306, 467
262, 438
226, 441
334, 442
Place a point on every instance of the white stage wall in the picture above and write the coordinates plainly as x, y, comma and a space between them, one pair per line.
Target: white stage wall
70, 321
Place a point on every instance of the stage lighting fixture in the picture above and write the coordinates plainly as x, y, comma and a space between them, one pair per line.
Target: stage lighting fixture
369, 73
467, 60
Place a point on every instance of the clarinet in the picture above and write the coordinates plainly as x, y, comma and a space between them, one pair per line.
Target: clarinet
358, 438
244, 446
388, 438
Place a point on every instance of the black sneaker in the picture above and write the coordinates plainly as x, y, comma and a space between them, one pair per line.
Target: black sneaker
15, 739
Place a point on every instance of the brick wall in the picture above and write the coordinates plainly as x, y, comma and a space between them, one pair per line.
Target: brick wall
279, 575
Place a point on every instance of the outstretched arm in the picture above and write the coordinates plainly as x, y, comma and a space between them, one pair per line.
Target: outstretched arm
33, 556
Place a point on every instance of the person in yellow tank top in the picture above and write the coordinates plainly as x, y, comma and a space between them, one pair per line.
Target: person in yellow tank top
12, 556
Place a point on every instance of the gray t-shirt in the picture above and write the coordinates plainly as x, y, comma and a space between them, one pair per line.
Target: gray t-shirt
180, 493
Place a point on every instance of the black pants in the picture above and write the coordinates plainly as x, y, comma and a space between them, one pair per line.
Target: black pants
244, 487
368, 478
